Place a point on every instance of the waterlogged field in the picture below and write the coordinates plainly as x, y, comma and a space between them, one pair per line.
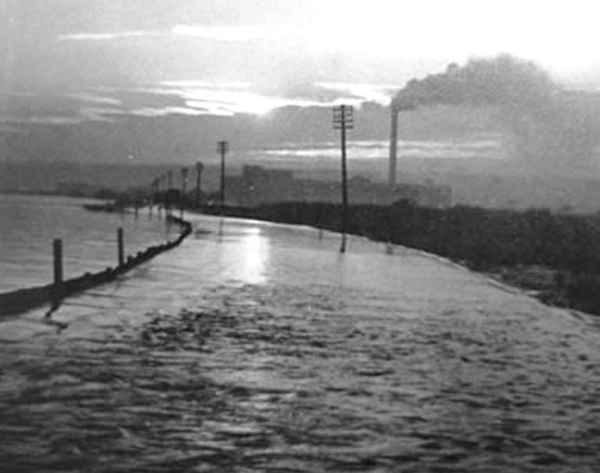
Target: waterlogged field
258, 347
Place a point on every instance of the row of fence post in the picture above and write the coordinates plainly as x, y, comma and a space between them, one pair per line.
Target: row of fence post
155, 191
58, 257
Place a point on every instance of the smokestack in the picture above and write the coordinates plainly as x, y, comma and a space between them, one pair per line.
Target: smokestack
546, 124
393, 145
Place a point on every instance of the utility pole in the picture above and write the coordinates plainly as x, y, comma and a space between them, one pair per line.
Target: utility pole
199, 169
343, 120
222, 147
184, 174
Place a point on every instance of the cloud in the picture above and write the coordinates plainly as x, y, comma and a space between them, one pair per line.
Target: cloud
184, 98
166, 111
96, 99
246, 103
488, 148
381, 94
99, 114
67, 109
47, 120
196, 98
237, 33
229, 33
108, 36
233, 98
207, 84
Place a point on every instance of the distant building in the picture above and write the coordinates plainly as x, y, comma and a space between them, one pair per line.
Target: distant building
258, 185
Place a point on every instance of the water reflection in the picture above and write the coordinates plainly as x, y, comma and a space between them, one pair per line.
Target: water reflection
253, 255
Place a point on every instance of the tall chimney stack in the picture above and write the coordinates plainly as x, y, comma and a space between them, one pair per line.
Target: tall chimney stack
393, 145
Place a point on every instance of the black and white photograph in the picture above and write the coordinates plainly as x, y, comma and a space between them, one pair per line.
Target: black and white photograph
299, 236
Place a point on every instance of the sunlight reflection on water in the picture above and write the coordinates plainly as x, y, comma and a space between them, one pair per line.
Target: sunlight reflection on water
254, 257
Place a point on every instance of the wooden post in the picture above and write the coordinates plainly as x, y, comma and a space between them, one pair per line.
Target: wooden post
121, 246
57, 288
58, 262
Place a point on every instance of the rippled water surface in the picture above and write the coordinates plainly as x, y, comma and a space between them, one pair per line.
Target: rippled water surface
258, 347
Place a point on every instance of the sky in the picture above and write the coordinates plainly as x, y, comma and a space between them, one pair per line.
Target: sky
72, 70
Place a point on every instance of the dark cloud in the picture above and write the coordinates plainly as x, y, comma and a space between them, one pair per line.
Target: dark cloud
56, 17
546, 127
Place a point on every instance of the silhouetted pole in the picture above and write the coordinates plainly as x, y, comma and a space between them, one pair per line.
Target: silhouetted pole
199, 169
121, 246
184, 174
343, 120
222, 147
57, 248
57, 289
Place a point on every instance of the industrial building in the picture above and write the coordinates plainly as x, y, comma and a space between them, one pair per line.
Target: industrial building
258, 185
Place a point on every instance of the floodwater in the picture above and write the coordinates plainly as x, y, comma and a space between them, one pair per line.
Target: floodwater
257, 347
28, 224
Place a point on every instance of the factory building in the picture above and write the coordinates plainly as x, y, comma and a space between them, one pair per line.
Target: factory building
258, 185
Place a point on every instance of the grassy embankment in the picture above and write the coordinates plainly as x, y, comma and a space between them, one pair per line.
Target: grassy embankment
556, 257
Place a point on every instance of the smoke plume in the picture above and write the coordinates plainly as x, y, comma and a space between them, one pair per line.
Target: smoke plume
547, 128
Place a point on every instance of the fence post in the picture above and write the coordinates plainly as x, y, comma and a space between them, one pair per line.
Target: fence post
57, 288
58, 262
121, 246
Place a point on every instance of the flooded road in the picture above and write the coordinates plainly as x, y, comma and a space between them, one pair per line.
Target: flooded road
258, 347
